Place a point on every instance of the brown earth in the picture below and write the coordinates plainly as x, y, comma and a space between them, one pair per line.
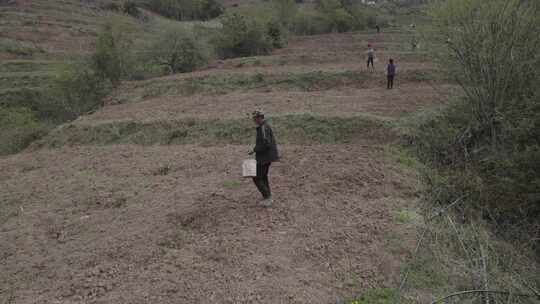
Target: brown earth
343, 102
177, 224
53, 25
346, 99
127, 224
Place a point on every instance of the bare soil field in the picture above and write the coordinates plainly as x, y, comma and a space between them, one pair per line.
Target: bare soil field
345, 102
176, 224
166, 223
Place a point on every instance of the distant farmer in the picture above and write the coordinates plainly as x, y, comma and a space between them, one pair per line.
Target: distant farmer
265, 153
414, 43
378, 28
390, 73
371, 56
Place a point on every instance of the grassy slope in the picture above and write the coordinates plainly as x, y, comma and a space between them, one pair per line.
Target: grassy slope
36, 37
167, 181
345, 198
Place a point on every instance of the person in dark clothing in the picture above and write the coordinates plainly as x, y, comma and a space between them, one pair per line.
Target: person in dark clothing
371, 57
378, 28
390, 73
265, 153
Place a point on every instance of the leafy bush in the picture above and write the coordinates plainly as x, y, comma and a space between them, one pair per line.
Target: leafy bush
21, 97
311, 22
130, 8
19, 128
284, 11
18, 48
343, 21
330, 16
277, 34
359, 17
187, 9
110, 6
242, 36
71, 91
371, 21
75, 90
112, 59
180, 51
328, 6
487, 146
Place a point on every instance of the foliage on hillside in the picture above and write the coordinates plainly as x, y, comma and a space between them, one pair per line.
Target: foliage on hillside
125, 42
180, 51
242, 36
486, 146
187, 9
19, 128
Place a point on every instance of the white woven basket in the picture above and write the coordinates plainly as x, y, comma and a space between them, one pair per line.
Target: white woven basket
249, 168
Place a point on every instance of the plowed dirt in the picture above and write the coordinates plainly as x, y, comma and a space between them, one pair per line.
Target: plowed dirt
177, 223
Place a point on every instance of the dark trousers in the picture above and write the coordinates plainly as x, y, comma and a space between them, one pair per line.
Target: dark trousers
370, 60
390, 81
261, 181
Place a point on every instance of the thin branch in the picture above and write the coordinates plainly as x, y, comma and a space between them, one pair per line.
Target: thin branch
440, 212
484, 269
462, 243
404, 280
460, 293
459, 238
531, 288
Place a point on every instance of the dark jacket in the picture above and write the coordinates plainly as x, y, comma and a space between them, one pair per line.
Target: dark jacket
391, 70
265, 145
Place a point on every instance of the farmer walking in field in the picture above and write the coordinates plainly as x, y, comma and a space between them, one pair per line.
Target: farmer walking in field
265, 153
390, 73
371, 57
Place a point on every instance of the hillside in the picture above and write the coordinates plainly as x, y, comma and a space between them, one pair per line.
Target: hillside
38, 37
141, 201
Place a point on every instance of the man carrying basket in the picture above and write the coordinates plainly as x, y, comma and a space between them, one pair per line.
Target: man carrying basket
265, 153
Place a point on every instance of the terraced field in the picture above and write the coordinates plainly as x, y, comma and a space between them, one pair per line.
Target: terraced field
142, 201
38, 36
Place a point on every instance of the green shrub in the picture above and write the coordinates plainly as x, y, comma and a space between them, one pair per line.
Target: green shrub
382, 20
359, 17
19, 128
130, 8
328, 6
372, 21
21, 97
242, 36
277, 34
113, 57
284, 11
311, 22
378, 296
329, 16
110, 6
75, 90
343, 21
487, 145
180, 51
18, 48
187, 9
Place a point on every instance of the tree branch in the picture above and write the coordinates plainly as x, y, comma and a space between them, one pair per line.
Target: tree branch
460, 293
